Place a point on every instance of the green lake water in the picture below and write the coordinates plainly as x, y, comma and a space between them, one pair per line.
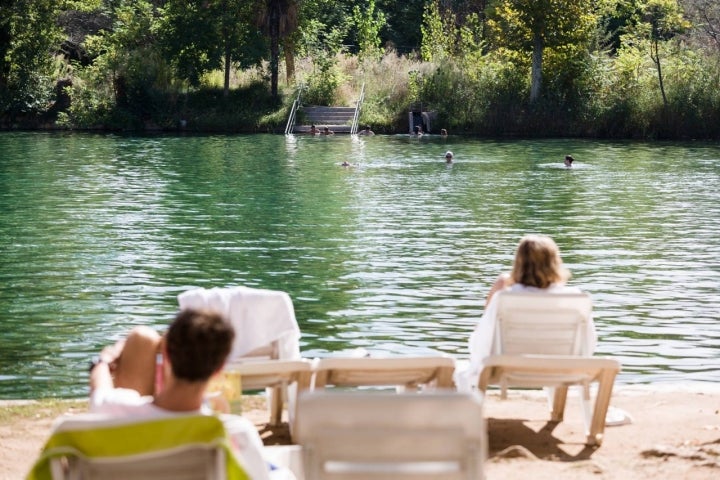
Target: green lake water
393, 254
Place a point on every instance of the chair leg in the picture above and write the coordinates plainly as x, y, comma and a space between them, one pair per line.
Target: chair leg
602, 402
276, 405
559, 401
585, 404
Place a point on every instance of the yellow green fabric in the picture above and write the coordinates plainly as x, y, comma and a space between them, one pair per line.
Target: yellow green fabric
136, 438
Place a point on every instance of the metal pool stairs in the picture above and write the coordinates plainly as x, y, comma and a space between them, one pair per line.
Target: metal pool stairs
337, 119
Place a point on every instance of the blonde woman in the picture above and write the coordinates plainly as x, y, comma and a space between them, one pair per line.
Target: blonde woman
537, 267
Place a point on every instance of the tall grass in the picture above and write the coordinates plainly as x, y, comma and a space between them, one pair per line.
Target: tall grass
478, 93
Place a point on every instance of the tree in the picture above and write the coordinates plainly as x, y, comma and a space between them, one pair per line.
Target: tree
659, 22
534, 25
277, 19
198, 37
368, 22
706, 15
404, 20
438, 33
29, 41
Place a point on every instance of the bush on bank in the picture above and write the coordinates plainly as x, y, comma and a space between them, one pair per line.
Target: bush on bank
592, 96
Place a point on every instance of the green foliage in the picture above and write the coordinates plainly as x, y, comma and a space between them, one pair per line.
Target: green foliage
127, 84
321, 86
438, 33
404, 19
662, 19
195, 37
323, 45
248, 108
534, 25
485, 97
616, 68
368, 23
515, 24
658, 22
387, 90
29, 39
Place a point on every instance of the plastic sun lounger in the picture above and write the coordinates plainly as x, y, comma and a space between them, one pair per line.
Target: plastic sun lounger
266, 334
101, 447
378, 436
401, 372
284, 379
541, 342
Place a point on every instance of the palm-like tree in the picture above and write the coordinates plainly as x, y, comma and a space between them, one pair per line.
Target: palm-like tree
277, 19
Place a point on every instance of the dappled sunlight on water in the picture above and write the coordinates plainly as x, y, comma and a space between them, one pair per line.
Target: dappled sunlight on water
393, 254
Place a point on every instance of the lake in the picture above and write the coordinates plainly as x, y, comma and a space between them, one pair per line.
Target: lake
394, 254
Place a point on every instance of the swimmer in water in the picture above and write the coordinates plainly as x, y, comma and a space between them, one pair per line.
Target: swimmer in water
569, 160
448, 157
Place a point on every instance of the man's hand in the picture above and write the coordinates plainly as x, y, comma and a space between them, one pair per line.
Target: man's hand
101, 374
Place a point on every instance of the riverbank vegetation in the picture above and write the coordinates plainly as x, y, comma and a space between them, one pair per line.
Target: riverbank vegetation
589, 68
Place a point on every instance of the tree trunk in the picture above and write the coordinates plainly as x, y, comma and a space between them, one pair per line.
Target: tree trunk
289, 60
536, 73
226, 41
274, 49
226, 84
655, 55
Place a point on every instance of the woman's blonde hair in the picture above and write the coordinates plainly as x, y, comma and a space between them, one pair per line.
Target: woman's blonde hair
537, 262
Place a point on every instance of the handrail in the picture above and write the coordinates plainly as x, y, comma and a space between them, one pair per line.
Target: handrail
356, 116
293, 111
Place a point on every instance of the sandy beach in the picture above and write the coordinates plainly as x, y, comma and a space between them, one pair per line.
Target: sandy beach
674, 434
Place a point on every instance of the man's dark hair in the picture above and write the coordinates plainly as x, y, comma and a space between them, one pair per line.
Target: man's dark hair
198, 343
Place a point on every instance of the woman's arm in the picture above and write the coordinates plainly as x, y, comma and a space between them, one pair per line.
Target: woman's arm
503, 281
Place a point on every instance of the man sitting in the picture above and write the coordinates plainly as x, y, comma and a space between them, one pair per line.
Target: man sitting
123, 380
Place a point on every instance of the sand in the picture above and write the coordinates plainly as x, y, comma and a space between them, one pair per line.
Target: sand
675, 434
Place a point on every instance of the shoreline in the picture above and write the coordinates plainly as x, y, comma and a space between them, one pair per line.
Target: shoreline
619, 388
675, 433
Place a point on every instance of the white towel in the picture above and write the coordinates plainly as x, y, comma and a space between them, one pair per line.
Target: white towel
259, 317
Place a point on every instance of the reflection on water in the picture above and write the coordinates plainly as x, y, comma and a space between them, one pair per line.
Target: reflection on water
393, 254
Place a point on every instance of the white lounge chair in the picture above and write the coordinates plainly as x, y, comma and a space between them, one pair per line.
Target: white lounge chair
541, 341
378, 436
400, 372
101, 447
264, 320
266, 330
285, 378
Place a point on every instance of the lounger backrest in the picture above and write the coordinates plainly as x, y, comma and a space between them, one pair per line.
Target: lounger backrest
542, 323
379, 435
91, 446
406, 372
264, 320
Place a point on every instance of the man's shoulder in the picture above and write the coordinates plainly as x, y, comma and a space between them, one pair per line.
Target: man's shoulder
236, 423
120, 401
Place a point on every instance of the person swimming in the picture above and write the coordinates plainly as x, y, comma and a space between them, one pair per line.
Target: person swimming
448, 157
569, 160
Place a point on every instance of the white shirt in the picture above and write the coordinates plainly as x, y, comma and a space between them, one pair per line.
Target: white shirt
244, 437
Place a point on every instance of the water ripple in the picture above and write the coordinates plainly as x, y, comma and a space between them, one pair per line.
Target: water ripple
394, 255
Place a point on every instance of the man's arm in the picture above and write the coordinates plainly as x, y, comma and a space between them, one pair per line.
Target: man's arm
101, 370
